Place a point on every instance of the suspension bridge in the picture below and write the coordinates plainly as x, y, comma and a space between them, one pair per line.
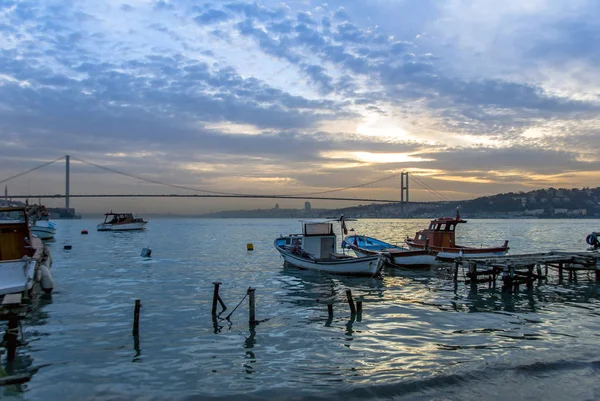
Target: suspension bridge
203, 193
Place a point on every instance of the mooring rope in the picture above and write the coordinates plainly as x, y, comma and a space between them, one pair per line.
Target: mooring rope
231, 313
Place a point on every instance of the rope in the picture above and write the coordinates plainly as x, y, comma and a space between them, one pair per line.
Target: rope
228, 316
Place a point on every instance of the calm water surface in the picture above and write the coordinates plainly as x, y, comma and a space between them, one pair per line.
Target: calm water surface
420, 335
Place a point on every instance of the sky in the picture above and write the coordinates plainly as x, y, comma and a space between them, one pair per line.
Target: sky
471, 97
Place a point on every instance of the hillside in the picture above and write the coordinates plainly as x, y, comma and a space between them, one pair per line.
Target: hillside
541, 203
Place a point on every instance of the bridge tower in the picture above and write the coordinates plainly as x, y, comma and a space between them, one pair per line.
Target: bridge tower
67, 162
403, 191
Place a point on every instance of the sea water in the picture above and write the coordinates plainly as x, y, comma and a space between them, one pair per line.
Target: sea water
420, 335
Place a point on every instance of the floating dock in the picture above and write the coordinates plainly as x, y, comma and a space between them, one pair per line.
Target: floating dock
526, 268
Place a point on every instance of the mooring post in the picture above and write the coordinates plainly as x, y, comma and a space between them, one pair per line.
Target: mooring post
330, 310
597, 273
252, 319
11, 338
350, 301
136, 317
530, 277
455, 271
215, 297
560, 271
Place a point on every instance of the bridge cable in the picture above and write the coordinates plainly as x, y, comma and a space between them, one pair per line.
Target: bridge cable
223, 193
30, 170
430, 189
352, 187
153, 181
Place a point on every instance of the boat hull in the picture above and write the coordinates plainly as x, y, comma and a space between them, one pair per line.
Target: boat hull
122, 227
43, 232
356, 266
17, 275
448, 254
396, 256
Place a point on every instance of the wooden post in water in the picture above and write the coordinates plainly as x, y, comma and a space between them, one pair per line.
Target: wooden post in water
252, 316
455, 271
215, 297
136, 317
11, 338
350, 301
530, 277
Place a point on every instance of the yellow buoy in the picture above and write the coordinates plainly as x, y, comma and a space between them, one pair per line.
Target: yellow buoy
250, 247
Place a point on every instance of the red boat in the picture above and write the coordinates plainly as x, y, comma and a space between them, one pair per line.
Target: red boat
440, 236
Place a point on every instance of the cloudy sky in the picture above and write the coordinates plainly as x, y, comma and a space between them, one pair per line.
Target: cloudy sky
472, 97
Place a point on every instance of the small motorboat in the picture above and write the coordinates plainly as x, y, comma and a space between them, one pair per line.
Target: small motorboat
24, 260
396, 256
40, 223
439, 237
316, 249
121, 222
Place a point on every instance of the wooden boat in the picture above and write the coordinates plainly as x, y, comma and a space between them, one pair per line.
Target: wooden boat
440, 238
24, 260
315, 249
395, 256
121, 222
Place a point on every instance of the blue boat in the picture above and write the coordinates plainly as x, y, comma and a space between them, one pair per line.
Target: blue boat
395, 256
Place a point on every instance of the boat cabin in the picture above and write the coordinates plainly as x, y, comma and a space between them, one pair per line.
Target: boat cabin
120, 218
14, 234
317, 239
440, 233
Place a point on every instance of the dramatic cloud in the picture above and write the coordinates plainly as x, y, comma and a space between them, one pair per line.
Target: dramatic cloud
300, 97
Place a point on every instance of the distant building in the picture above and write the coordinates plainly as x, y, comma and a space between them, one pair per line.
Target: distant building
307, 206
533, 212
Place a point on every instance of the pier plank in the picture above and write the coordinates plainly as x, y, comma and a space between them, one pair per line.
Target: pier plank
12, 299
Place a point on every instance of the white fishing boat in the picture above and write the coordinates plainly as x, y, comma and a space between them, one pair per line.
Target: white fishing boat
24, 260
316, 249
121, 222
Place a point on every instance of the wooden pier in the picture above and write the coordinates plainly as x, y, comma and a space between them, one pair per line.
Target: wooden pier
526, 268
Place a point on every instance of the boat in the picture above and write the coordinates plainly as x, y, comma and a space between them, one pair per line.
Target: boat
395, 256
24, 260
439, 237
40, 223
592, 239
121, 222
316, 249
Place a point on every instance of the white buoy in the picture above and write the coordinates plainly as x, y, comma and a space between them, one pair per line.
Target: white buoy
46, 282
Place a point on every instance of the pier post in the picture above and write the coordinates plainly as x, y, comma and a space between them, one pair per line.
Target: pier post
136, 317
597, 274
530, 278
560, 272
350, 301
11, 338
252, 306
455, 272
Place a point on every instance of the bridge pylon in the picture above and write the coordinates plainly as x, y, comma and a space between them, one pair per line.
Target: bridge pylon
67, 176
403, 191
